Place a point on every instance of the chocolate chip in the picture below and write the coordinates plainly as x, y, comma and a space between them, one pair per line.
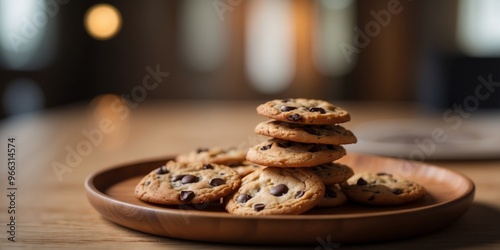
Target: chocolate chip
266, 147
208, 166
317, 109
199, 150
284, 144
186, 195
147, 183
300, 194
371, 198
314, 148
243, 198
279, 190
216, 182
312, 131
178, 177
189, 179
361, 182
258, 207
383, 173
285, 100
287, 108
397, 191
294, 117
162, 170
330, 193
322, 166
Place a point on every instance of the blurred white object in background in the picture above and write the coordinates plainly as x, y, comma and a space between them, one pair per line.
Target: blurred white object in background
478, 27
270, 45
430, 138
27, 34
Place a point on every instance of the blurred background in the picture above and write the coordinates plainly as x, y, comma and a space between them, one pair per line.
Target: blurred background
58, 52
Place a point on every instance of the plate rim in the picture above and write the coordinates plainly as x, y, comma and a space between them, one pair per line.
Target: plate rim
91, 189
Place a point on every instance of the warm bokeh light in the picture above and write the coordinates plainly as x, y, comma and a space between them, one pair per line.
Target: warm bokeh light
111, 120
103, 21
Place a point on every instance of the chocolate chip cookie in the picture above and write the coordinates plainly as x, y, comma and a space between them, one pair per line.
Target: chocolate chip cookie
333, 197
304, 111
245, 168
306, 133
332, 173
281, 153
187, 183
219, 155
276, 191
382, 189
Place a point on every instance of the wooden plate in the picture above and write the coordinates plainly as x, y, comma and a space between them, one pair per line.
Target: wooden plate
450, 194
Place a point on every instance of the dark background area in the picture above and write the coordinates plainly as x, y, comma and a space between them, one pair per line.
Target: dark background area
415, 57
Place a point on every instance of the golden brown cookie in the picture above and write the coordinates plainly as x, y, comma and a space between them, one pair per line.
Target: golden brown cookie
332, 173
382, 189
306, 133
187, 183
245, 168
333, 197
219, 155
276, 191
304, 111
281, 153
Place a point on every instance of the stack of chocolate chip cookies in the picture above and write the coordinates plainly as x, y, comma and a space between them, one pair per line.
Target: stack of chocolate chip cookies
290, 173
300, 170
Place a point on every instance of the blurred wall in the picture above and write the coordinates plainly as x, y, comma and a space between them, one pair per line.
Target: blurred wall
332, 49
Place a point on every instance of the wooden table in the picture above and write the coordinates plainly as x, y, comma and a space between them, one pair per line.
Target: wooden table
52, 211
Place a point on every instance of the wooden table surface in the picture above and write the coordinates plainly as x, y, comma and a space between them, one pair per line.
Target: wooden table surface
52, 212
